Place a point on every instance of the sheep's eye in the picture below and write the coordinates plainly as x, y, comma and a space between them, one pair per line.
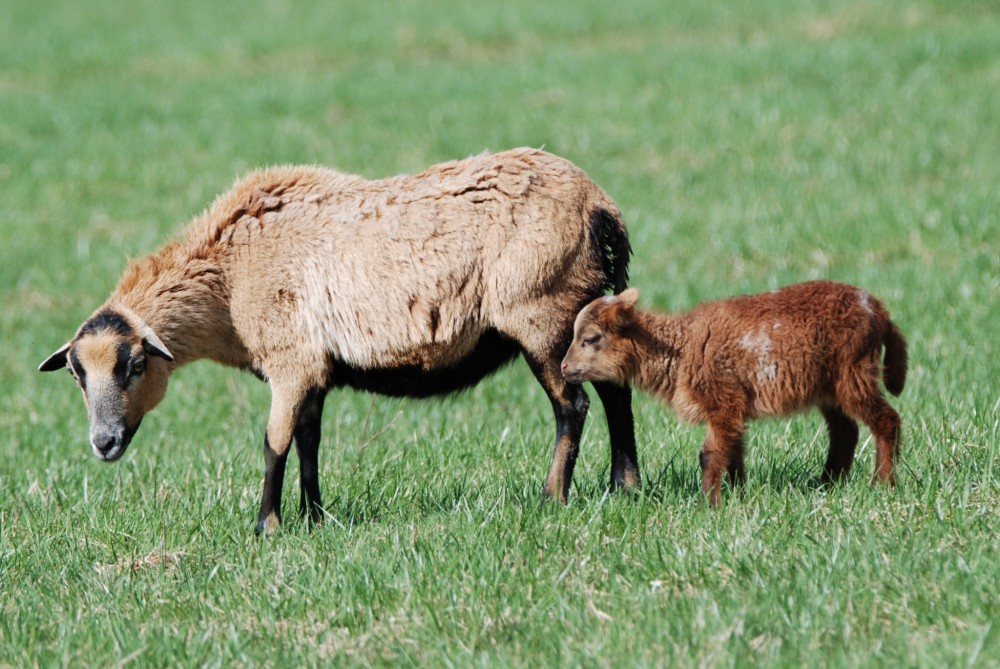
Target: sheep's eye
77, 376
138, 367
592, 339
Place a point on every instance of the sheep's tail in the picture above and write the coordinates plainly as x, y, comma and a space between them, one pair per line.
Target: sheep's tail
896, 359
609, 242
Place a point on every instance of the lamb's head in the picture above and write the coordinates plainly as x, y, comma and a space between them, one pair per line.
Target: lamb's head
122, 368
601, 348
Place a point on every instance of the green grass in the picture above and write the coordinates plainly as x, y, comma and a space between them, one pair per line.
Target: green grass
750, 145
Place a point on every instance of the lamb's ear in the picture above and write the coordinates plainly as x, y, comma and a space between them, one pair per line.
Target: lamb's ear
618, 318
152, 345
55, 361
622, 312
629, 297
621, 317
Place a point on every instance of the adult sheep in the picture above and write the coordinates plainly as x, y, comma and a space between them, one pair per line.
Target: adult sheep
410, 286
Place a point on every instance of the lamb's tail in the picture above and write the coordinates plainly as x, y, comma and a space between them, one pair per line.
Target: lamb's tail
896, 359
609, 242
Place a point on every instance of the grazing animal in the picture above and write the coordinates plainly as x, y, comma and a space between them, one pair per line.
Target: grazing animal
814, 344
409, 286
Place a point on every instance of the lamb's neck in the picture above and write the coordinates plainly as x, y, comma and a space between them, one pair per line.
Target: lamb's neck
659, 342
187, 307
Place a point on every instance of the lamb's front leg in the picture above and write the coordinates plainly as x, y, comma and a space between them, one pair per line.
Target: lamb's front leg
285, 405
722, 452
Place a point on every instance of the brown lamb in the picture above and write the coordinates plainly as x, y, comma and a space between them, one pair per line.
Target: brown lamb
814, 344
410, 286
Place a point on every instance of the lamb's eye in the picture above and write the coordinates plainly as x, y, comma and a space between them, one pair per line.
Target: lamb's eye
592, 339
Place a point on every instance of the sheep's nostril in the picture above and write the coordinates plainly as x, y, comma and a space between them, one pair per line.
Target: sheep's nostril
104, 442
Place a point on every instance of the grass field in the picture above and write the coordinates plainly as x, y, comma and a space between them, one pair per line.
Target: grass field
749, 145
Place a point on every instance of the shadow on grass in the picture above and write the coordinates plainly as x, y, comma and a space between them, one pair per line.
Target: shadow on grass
679, 480
676, 482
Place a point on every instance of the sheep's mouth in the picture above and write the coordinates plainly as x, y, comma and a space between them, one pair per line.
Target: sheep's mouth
120, 445
112, 455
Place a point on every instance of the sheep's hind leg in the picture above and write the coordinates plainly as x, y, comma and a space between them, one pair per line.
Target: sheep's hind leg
280, 427
843, 442
617, 401
569, 404
307, 438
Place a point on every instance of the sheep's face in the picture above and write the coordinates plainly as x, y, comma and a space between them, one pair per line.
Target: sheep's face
601, 349
122, 368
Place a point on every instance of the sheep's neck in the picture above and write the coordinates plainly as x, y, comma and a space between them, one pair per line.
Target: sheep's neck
186, 303
658, 343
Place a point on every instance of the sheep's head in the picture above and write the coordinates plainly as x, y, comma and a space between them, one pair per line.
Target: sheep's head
601, 349
122, 368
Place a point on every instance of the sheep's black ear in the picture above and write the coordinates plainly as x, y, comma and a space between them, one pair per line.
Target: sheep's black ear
152, 345
55, 361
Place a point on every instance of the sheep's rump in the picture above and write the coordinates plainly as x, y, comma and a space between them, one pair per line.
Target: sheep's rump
412, 271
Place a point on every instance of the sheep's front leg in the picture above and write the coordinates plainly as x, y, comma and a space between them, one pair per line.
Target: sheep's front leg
280, 428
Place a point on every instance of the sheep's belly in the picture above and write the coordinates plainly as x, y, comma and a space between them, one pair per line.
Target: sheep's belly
418, 377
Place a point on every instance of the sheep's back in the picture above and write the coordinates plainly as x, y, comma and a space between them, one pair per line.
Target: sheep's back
404, 270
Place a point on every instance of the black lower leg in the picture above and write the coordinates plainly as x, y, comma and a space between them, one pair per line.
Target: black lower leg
569, 405
617, 401
269, 517
569, 427
307, 438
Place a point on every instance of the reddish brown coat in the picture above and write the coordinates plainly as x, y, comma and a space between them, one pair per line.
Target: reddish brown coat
815, 344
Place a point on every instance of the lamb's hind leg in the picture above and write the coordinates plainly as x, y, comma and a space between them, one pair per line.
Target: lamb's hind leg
861, 398
843, 441
569, 404
307, 438
617, 401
